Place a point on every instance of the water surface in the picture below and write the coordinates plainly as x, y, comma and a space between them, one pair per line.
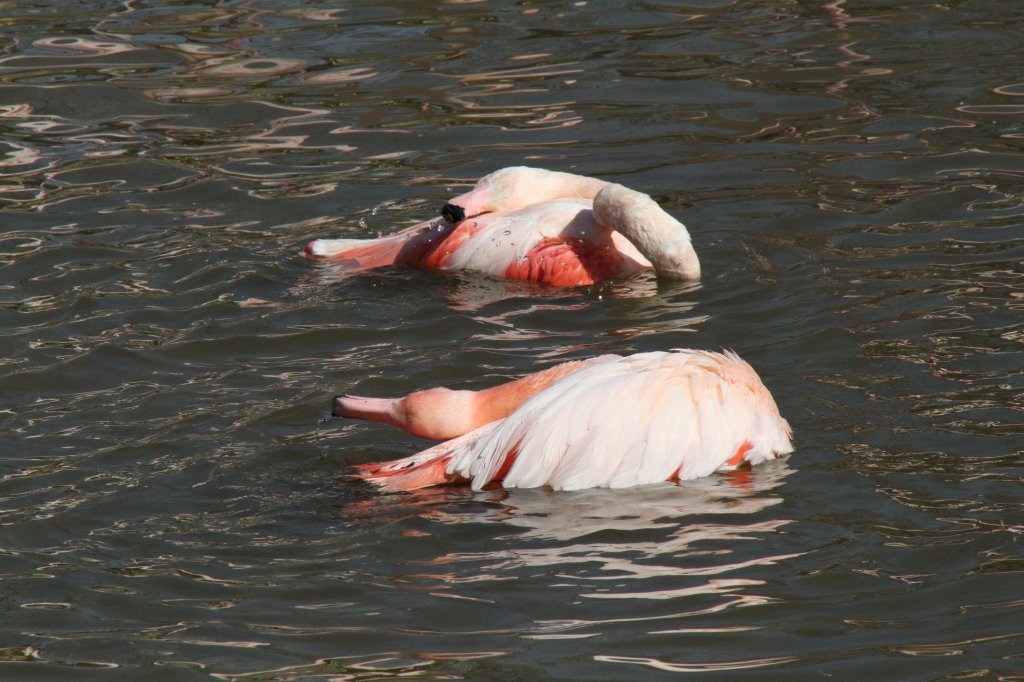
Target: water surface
853, 180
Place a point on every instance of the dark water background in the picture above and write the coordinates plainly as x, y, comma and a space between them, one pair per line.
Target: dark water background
852, 176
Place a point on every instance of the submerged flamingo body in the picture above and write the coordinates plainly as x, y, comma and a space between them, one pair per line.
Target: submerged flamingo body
607, 422
578, 231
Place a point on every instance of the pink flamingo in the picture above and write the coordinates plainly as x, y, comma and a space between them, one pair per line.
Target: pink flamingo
610, 421
535, 225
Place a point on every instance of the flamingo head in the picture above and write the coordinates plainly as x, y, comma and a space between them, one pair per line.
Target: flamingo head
437, 413
503, 190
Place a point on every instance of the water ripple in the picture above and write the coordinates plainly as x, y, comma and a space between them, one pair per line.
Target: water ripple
850, 173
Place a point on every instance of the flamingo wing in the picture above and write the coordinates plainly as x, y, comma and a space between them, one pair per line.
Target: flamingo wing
630, 421
556, 242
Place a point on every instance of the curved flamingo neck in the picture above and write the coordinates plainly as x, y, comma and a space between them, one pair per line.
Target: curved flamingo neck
662, 239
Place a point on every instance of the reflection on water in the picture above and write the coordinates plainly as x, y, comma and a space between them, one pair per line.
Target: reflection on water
598, 542
563, 518
851, 175
680, 545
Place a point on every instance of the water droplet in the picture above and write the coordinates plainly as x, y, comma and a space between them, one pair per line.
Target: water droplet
321, 446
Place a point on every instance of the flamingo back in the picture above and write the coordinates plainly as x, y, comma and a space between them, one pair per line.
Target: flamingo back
629, 421
558, 242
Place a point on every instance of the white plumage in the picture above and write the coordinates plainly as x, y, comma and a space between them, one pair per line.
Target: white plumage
505, 238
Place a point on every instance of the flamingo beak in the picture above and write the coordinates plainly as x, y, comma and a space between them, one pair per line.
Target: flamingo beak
453, 213
359, 407
339, 406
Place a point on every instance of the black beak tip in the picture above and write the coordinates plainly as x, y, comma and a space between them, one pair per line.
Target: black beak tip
453, 213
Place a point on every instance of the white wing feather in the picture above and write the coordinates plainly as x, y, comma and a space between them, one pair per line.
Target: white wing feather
630, 421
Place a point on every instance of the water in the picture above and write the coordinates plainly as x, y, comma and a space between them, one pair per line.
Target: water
853, 179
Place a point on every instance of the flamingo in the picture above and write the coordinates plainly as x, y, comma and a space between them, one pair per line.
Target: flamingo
610, 421
536, 225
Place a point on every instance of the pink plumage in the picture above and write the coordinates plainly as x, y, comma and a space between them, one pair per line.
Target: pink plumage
531, 224
607, 422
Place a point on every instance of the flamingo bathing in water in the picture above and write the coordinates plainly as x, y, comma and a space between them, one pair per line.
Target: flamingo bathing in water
535, 225
610, 421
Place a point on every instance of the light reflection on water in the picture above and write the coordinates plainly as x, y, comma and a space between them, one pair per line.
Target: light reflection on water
573, 521
851, 175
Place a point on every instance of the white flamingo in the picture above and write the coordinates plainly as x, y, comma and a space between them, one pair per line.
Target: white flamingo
606, 422
536, 225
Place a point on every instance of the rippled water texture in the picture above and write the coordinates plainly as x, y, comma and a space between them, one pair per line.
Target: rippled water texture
853, 179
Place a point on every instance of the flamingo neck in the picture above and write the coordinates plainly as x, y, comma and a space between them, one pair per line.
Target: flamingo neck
571, 186
500, 401
662, 239
442, 413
